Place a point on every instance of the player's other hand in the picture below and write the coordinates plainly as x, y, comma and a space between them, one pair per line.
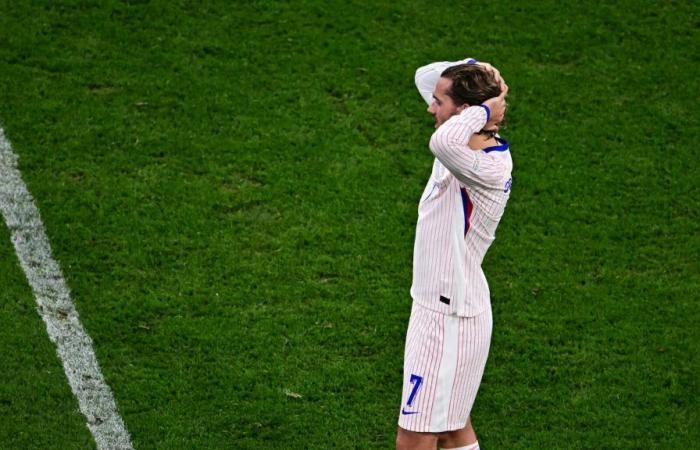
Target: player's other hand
497, 106
495, 72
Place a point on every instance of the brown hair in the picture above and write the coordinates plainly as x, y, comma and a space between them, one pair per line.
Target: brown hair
472, 84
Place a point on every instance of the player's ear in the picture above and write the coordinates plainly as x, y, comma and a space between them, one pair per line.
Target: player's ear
461, 108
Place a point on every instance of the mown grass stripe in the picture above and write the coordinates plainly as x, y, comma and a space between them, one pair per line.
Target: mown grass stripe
55, 306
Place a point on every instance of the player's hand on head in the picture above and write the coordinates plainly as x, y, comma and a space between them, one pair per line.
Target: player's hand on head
497, 107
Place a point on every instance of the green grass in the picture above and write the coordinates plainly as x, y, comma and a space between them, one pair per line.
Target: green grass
37, 407
231, 191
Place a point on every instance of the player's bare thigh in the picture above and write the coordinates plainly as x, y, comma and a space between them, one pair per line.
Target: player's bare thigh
412, 440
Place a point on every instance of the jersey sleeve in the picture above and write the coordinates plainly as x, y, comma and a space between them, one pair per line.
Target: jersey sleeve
428, 76
449, 144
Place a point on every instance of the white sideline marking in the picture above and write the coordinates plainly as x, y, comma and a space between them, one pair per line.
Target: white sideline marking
55, 306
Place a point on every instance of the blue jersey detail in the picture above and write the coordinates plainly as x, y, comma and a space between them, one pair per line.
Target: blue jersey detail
508, 185
501, 147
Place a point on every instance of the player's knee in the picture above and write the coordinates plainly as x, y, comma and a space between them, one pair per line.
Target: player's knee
457, 438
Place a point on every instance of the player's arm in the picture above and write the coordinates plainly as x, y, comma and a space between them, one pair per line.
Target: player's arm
450, 146
428, 76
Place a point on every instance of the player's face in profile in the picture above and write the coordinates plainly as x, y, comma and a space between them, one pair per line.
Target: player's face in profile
442, 107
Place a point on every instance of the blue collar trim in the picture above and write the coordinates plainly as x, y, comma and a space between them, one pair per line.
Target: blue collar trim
501, 147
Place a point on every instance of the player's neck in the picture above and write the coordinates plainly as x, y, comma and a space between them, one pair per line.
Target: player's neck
480, 141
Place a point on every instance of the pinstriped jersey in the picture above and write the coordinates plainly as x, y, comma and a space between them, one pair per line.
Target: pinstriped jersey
459, 210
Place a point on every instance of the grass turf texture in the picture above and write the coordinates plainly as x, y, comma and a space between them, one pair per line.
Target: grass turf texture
231, 191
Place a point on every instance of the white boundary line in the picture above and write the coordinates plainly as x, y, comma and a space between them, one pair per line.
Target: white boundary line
55, 306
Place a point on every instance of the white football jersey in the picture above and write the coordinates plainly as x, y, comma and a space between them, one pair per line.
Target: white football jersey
459, 210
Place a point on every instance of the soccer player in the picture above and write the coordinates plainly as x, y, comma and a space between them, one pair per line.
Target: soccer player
449, 331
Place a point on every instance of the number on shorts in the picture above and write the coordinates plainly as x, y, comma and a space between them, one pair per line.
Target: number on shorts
416, 380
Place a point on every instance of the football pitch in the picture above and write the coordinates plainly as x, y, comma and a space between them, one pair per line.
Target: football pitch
230, 190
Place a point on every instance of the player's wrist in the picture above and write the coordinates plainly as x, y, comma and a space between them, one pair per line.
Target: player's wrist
488, 111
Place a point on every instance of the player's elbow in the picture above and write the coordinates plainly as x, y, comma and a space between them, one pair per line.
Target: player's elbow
420, 75
425, 81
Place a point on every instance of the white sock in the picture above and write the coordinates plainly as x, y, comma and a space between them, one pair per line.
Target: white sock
474, 446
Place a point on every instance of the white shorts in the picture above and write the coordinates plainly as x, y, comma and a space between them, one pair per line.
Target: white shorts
444, 360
